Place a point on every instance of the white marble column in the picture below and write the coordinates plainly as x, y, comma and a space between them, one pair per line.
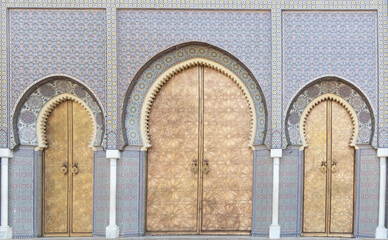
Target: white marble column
112, 231
5, 230
381, 230
274, 229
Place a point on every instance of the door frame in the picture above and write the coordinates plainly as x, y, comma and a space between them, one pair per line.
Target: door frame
352, 143
144, 128
42, 117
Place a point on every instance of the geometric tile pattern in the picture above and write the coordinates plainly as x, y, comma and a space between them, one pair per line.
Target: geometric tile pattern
262, 192
338, 43
128, 170
44, 42
243, 34
33, 102
21, 194
275, 6
289, 192
100, 193
368, 185
349, 93
161, 64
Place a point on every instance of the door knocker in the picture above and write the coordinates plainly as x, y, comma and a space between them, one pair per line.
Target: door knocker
75, 169
64, 167
323, 167
194, 166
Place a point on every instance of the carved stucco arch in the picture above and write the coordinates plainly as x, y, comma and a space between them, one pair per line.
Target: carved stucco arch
49, 107
167, 75
316, 101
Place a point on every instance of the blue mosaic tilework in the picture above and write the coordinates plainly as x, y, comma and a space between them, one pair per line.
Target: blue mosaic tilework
368, 181
149, 75
341, 43
128, 170
383, 74
290, 192
100, 193
245, 34
33, 102
367, 129
44, 42
262, 192
21, 194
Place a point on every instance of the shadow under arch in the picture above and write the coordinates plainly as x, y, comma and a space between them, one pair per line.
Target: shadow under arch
174, 55
69, 85
330, 85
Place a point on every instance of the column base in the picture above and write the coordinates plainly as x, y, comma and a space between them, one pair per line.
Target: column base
381, 232
274, 231
112, 231
5, 232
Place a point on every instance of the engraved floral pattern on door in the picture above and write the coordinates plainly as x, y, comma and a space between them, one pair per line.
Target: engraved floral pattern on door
227, 188
328, 172
68, 195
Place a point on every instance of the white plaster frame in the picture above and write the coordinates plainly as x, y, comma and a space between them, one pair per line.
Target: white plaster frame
48, 108
316, 101
164, 77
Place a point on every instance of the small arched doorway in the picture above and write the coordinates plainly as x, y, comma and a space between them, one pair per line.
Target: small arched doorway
329, 128
68, 169
199, 163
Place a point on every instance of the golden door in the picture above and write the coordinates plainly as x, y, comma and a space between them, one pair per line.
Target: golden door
328, 195
68, 172
199, 165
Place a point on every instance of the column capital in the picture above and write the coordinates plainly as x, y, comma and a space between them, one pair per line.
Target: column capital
116, 154
6, 153
276, 153
382, 152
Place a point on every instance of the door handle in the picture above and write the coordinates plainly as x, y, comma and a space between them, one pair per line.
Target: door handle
334, 167
323, 167
205, 168
194, 166
75, 169
65, 168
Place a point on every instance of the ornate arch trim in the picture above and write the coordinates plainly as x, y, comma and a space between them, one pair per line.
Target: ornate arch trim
167, 75
49, 107
316, 101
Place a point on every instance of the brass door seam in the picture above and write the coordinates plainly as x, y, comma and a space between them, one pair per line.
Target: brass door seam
70, 157
200, 148
328, 163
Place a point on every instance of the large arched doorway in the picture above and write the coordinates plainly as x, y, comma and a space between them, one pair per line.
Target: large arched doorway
329, 127
200, 163
68, 171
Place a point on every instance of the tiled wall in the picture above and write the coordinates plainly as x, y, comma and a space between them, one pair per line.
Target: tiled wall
101, 193
262, 192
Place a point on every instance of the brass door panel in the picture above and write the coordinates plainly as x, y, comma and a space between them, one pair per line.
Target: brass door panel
172, 187
199, 165
342, 176
328, 196
55, 182
227, 187
68, 172
314, 195
82, 185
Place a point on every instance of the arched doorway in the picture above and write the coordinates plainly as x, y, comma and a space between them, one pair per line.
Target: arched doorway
329, 131
200, 163
68, 171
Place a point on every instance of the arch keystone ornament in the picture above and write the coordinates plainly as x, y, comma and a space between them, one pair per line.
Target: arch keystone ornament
48, 108
316, 101
167, 75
